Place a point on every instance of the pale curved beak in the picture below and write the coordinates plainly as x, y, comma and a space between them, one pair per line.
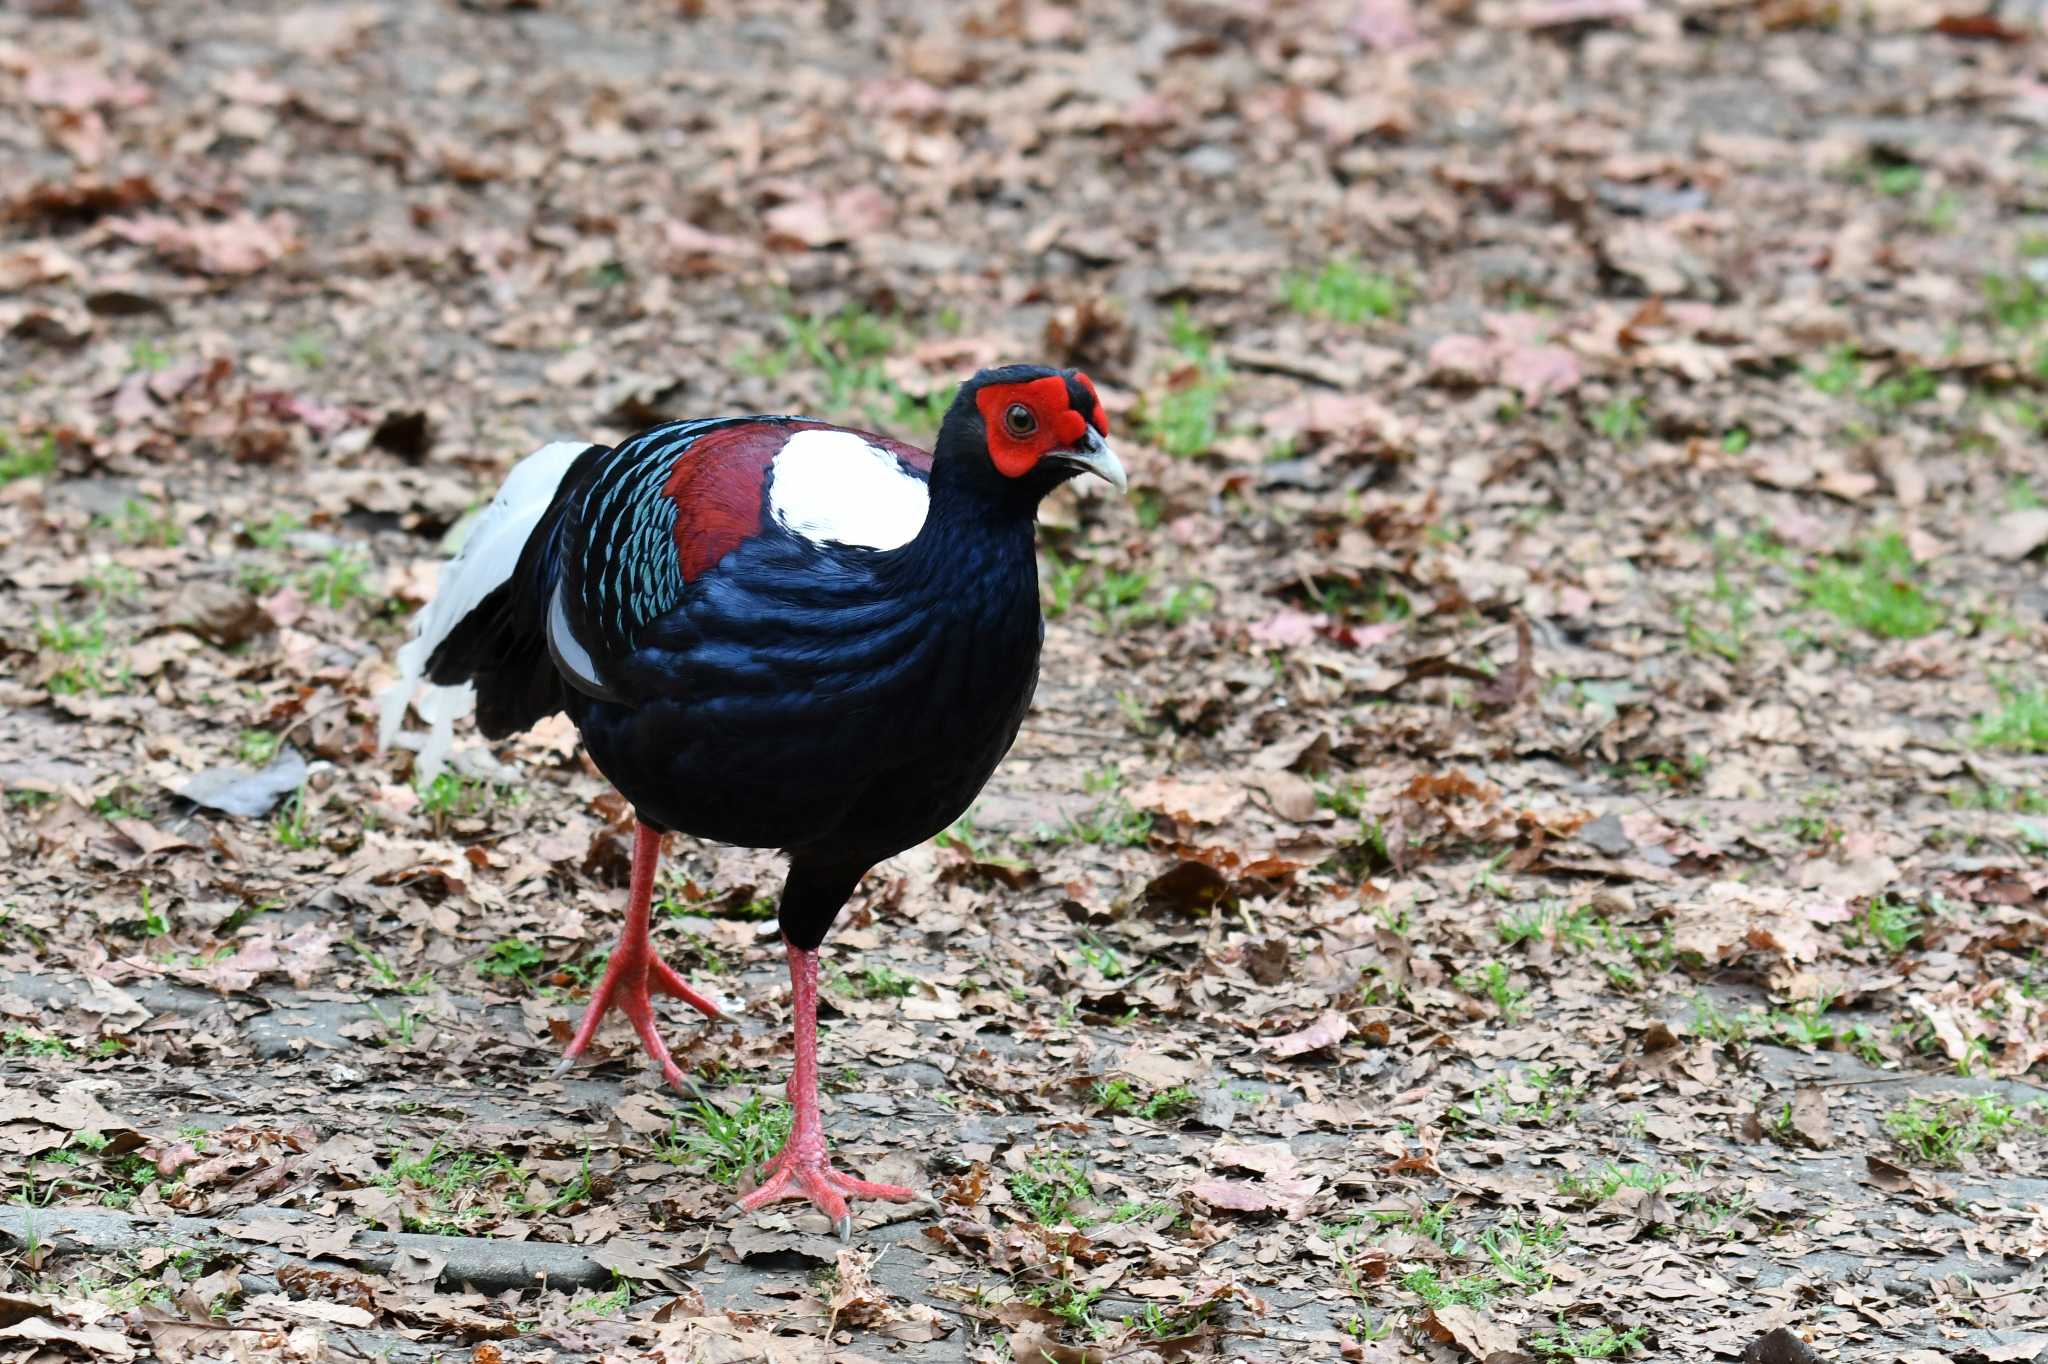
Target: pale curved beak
1095, 457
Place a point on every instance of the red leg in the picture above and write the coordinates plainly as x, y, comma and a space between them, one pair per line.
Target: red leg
804, 1167
635, 970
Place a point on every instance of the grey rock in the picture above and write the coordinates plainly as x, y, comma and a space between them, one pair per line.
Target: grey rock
248, 795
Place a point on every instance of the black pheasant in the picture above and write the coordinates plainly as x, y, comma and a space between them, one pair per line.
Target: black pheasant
773, 632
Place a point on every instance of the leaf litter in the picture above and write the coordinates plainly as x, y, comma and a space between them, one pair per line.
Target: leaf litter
1530, 843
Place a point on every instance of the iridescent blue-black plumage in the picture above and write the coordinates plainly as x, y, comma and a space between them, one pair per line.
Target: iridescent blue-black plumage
741, 680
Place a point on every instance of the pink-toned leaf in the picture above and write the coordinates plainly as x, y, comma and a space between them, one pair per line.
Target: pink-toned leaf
1539, 372
1327, 1031
1286, 628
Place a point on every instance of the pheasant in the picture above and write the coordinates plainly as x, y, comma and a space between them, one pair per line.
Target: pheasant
771, 632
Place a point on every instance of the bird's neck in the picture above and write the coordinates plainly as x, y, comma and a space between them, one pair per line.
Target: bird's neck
975, 540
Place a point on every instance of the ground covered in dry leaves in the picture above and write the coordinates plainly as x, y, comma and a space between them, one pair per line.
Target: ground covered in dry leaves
1533, 841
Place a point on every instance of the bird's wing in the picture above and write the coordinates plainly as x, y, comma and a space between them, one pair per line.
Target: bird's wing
653, 521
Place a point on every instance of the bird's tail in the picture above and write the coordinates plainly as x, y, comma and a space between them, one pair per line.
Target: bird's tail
481, 642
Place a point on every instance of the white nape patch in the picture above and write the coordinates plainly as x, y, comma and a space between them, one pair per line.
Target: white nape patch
832, 486
490, 552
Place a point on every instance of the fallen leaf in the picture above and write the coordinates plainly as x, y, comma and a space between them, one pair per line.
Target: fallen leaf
1327, 1031
2016, 534
1470, 1329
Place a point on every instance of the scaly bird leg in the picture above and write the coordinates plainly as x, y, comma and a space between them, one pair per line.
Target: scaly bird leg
636, 971
804, 1167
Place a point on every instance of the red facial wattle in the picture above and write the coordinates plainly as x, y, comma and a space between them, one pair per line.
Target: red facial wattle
1055, 425
1097, 418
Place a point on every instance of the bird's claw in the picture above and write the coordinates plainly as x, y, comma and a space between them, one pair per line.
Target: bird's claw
635, 975
813, 1179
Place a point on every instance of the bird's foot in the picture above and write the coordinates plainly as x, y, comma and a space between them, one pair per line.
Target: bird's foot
637, 973
804, 1170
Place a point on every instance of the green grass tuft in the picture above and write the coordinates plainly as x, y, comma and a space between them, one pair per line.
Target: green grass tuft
2020, 722
1343, 292
725, 1145
1877, 590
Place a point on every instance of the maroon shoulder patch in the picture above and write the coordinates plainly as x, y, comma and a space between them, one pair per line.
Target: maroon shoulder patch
717, 486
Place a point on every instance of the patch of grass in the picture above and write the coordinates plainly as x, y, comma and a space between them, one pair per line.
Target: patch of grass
400, 1027
1186, 419
1093, 951
1130, 1211
1591, 1342
1885, 922
1069, 1302
1464, 1290
1574, 927
1126, 599
847, 350
145, 523
879, 982
511, 958
1621, 419
290, 826
724, 1145
23, 1042
1493, 982
1519, 1251
2015, 301
1734, 605
1112, 822
386, 976
915, 414
608, 1303
35, 460
1896, 392
1840, 374
2032, 800
1119, 1095
451, 1183
341, 576
1061, 583
113, 582
1049, 1186
306, 351
2020, 722
256, 747
1551, 1099
1343, 292
156, 923
1944, 213
451, 795
1592, 1187
1157, 1323
1940, 1134
1877, 590
1119, 599
83, 642
273, 533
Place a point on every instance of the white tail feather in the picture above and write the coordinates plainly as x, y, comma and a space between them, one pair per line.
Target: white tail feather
489, 554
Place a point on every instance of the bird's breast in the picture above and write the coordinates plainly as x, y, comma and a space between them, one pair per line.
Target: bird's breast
788, 707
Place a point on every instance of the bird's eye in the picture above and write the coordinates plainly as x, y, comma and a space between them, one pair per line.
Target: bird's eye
1019, 421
